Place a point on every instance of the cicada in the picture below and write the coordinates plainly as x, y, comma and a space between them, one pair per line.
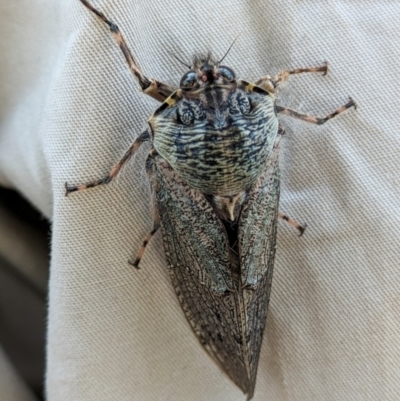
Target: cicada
214, 172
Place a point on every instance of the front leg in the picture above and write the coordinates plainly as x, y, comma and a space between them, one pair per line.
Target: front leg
143, 137
270, 84
151, 87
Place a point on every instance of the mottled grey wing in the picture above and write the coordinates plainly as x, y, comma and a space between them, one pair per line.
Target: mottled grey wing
197, 252
257, 243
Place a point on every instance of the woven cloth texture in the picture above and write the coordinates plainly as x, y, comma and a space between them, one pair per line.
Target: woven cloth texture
70, 108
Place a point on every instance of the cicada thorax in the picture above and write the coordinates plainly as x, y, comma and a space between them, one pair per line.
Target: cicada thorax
218, 138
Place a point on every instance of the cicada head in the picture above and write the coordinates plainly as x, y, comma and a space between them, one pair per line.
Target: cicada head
206, 72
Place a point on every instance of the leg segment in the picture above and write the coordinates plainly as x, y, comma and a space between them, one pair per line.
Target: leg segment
272, 83
315, 120
293, 223
143, 137
151, 87
285, 74
139, 256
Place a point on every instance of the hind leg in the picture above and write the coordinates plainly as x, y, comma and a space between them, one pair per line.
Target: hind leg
293, 223
142, 249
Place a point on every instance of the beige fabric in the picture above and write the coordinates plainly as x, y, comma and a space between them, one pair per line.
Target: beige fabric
69, 110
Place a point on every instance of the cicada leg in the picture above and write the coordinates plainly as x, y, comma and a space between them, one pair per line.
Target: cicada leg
143, 137
285, 74
142, 249
270, 84
312, 119
151, 87
300, 227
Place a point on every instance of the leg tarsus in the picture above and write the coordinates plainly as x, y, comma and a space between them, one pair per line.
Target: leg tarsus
142, 249
143, 137
312, 119
300, 227
327, 68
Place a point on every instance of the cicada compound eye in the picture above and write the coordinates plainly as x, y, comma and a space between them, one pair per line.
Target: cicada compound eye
189, 79
226, 72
